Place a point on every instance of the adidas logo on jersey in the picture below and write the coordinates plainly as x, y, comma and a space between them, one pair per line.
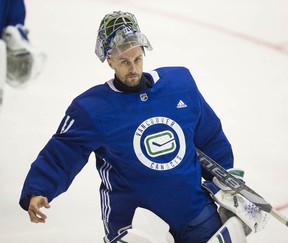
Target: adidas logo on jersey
181, 104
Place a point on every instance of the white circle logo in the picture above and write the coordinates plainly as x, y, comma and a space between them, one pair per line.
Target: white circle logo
159, 143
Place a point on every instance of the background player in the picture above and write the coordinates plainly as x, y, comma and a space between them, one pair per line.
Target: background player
19, 61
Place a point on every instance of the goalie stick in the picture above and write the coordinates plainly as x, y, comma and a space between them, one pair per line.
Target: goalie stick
237, 185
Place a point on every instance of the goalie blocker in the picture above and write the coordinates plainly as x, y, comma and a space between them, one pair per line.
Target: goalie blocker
231, 203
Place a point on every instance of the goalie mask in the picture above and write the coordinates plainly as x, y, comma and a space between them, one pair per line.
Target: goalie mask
118, 33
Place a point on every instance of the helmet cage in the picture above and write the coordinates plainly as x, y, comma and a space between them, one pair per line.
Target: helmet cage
116, 31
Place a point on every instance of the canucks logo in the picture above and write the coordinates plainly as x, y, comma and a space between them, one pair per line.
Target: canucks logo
159, 143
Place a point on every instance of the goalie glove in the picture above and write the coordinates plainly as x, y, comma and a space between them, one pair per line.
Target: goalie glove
235, 203
23, 61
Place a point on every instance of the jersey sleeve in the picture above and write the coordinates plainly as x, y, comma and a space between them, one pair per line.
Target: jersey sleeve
210, 138
16, 12
65, 154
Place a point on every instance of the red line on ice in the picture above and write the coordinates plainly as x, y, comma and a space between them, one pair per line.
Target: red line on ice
282, 207
282, 48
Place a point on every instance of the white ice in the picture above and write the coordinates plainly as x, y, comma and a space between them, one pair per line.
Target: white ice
237, 52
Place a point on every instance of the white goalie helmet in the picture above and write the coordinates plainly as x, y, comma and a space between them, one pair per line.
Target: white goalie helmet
118, 33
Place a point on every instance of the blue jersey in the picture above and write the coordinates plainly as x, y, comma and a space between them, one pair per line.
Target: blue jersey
144, 145
12, 12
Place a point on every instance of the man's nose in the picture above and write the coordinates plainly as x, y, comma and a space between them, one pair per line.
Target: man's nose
132, 68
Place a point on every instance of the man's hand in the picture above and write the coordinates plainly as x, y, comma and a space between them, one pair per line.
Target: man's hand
36, 202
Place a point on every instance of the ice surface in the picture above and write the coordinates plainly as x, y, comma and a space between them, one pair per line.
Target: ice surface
237, 52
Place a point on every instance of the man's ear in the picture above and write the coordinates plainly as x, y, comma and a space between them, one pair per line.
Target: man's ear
109, 61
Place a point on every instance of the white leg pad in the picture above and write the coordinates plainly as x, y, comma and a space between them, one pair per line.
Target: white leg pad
231, 231
147, 227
